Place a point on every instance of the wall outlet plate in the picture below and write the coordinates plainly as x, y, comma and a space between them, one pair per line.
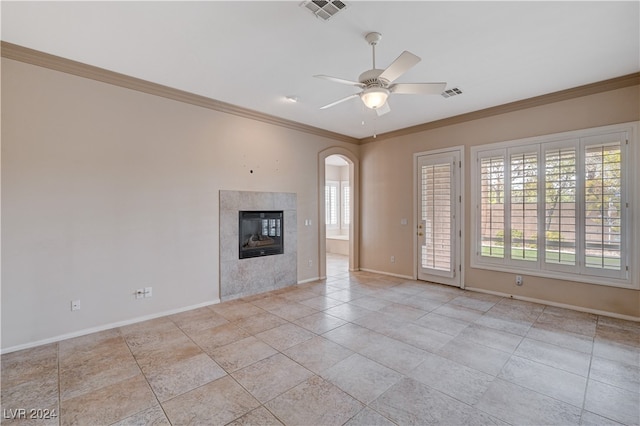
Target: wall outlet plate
75, 305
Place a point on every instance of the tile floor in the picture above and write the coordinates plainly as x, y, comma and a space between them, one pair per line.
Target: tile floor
356, 349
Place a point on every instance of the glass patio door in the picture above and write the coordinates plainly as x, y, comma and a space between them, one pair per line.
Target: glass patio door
438, 228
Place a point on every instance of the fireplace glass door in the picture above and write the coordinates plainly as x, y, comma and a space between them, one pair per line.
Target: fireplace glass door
260, 233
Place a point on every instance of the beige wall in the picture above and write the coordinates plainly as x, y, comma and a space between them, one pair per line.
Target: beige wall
387, 194
106, 190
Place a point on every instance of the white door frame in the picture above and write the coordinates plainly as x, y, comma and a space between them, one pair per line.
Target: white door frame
416, 219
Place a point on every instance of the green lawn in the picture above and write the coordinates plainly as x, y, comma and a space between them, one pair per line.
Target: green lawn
551, 256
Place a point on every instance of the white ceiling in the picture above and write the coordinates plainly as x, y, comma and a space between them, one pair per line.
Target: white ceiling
335, 160
254, 54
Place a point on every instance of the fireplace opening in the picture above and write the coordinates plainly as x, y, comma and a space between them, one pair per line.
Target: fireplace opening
261, 233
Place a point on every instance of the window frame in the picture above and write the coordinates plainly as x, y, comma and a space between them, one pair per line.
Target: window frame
627, 276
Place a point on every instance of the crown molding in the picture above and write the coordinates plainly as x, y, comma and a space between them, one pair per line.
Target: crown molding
563, 95
57, 63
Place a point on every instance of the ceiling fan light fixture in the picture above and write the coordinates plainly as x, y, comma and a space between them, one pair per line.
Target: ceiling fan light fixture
374, 97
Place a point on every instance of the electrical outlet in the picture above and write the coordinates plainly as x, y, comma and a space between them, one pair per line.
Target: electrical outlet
519, 280
139, 293
75, 305
310, 263
393, 259
148, 291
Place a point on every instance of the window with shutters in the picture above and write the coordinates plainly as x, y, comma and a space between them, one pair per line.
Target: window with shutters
556, 206
560, 180
346, 203
492, 205
332, 204
523, 205
604, 211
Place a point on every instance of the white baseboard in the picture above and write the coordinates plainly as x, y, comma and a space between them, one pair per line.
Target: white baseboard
556, 304
387, 273
309, 280
105, 327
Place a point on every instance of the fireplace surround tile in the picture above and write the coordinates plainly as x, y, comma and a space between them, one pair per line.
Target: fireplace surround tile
245, 277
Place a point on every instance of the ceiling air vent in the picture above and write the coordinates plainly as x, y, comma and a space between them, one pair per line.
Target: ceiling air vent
324, 9
451, 92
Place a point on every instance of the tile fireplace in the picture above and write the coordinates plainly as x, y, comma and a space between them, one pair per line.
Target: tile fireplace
258, 242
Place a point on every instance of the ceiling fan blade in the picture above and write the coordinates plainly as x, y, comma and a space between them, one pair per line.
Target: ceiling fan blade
402, 64
383, 109
340, 80
418, 88
339, 101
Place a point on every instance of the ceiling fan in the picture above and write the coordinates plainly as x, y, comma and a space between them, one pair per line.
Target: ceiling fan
377, 84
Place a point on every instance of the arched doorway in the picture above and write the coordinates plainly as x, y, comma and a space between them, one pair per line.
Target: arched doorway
351, 232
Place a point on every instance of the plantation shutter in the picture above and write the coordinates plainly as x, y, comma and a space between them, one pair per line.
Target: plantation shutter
436, 181
346, 204
604, 205
523, 224
331, 205
560, 205
492, 206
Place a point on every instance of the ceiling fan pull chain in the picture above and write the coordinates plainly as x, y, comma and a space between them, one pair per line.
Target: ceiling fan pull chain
375, 121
